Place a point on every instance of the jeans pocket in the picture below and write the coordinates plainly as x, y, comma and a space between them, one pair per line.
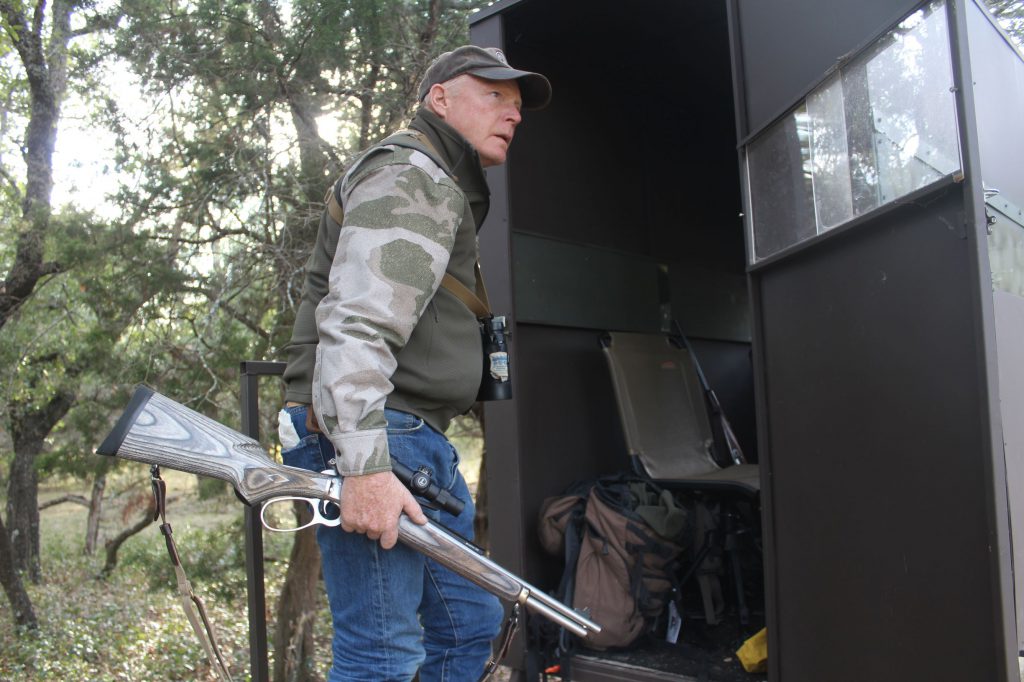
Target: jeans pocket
299, 447
306, 455
400, 423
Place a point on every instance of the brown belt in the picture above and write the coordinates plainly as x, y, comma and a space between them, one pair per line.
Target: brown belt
311, 423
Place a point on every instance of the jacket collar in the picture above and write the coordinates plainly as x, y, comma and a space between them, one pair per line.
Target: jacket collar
462, 159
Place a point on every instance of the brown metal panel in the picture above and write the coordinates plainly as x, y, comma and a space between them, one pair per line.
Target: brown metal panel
998, 90
1009, 311
505, 483
875, 463
591, 176
993, 466
787, 45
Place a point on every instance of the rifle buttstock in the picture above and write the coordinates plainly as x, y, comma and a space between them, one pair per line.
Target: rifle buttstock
158, 430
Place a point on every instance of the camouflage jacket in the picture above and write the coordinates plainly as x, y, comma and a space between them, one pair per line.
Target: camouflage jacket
385, 334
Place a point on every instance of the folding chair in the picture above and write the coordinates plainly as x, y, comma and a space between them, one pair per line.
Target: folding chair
668, 412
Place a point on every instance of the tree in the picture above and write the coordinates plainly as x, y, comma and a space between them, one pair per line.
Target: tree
242, 166
44, 60
72, 282
1010, 15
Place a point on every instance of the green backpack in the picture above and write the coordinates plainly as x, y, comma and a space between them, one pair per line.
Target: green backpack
622, 538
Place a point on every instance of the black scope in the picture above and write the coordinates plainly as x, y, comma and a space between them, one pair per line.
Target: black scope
422, 485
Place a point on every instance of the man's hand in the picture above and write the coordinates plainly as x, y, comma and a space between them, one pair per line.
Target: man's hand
371, 504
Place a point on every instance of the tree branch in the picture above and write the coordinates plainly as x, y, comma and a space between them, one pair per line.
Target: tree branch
12, 184
76, 499
97, 23
17, 29
212, 296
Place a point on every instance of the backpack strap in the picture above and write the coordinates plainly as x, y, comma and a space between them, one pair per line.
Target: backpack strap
409, 138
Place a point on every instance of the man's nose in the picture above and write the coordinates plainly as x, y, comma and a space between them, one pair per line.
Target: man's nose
514, 115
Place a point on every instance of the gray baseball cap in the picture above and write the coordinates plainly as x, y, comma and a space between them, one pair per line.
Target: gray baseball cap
489, 63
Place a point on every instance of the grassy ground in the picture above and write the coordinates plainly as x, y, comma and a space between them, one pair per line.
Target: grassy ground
130, 626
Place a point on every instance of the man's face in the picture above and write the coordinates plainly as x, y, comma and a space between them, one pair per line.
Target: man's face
485, 112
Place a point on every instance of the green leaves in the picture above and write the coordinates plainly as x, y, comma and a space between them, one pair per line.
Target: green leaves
229, 119
131, 625
1010, 15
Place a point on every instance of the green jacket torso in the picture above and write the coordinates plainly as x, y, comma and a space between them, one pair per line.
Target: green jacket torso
373, 328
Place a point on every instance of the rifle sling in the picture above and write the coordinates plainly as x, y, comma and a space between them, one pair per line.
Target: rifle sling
195, 611
498, 655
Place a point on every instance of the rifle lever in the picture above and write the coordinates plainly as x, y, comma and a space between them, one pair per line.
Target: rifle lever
323, 514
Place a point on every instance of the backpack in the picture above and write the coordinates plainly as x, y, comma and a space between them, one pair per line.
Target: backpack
621, 537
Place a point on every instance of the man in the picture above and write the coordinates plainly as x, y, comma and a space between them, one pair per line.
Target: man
391, 358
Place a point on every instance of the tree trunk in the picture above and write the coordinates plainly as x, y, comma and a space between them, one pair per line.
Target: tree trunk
21, 605
297, 607
480, 525
92, 525
366, 101
115, 543
23, 512
45, 64
30, 425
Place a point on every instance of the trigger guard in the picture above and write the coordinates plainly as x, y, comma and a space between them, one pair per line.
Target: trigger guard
323, 519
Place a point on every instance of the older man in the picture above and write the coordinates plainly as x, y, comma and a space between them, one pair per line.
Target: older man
387, 356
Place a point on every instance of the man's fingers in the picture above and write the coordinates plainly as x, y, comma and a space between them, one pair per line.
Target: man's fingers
413, 511
372, 505
389, 538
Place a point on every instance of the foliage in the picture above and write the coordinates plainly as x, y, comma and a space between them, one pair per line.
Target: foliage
131, 626
213, 557
1010, 15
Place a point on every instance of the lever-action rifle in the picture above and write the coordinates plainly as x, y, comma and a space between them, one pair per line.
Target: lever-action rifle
156, 430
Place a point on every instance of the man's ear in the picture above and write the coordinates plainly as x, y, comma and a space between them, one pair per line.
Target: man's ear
437, 97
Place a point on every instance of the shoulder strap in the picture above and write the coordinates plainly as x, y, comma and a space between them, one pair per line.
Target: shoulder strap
479, 305
413, 139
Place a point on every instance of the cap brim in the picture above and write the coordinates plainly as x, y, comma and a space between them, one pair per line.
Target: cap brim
533, 87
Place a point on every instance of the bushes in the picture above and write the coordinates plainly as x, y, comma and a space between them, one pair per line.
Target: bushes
131, 625
116, 629
213, 558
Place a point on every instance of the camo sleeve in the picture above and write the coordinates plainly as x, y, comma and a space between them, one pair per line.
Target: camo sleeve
399, 229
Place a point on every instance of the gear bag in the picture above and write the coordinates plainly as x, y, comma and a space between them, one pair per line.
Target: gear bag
621, 537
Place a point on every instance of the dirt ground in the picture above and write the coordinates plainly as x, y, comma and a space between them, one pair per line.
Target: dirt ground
502, 674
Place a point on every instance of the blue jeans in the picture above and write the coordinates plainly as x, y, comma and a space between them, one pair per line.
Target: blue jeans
395, 611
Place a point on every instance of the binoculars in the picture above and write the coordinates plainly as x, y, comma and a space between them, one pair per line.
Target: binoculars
494, 383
